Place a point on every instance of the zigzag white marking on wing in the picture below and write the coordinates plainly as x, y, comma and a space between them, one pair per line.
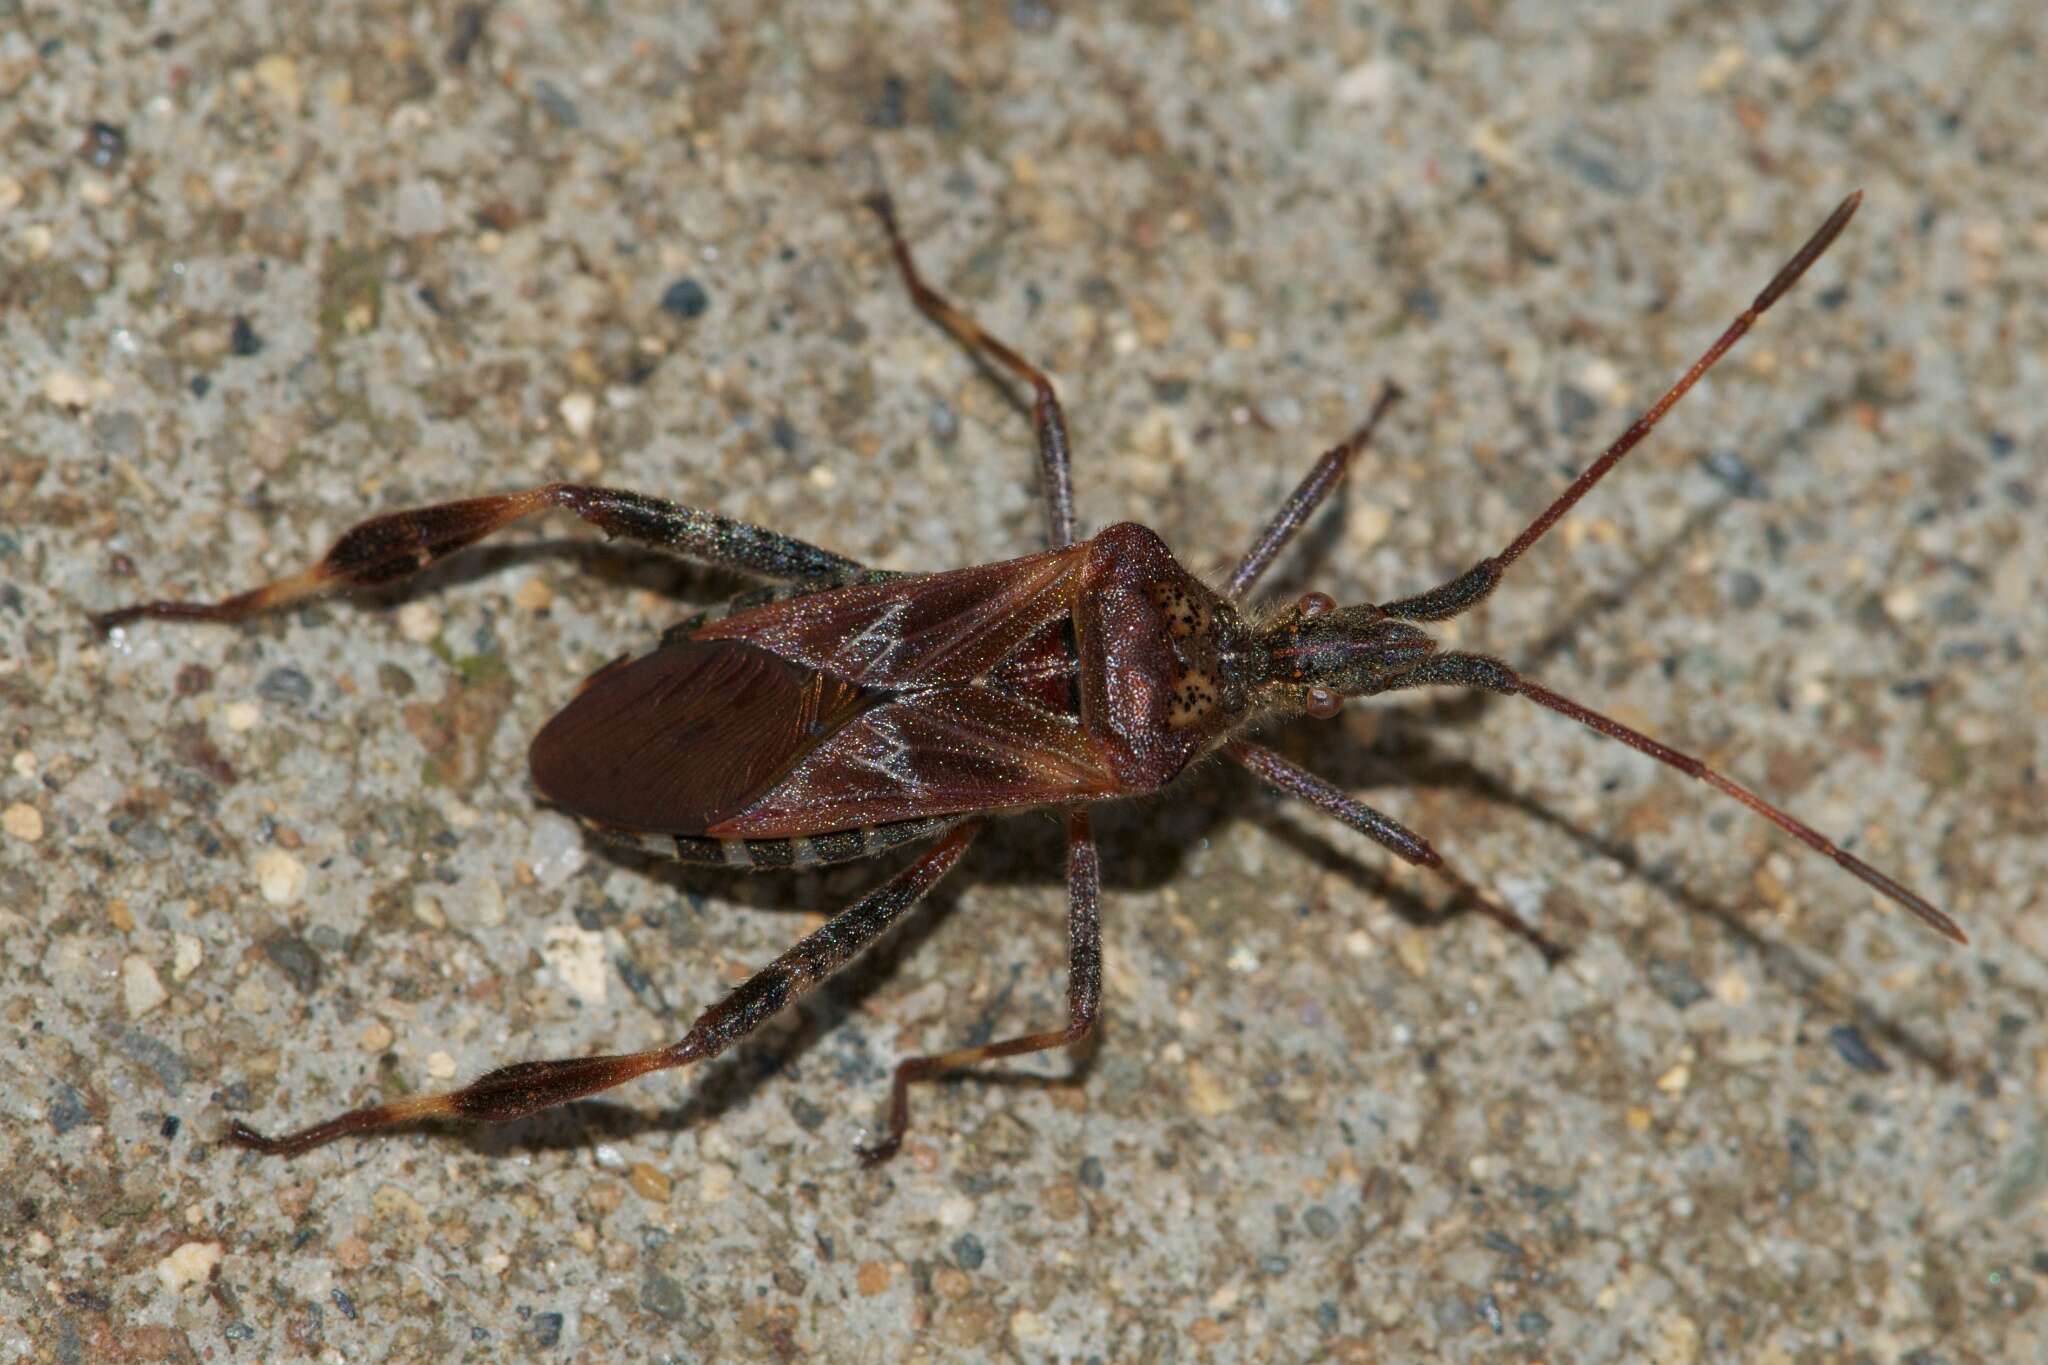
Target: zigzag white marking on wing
880, 641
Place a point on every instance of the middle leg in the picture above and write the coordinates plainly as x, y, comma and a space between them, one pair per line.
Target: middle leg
1084, 992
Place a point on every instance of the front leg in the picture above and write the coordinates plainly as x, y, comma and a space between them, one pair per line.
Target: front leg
397, 545
1291, 780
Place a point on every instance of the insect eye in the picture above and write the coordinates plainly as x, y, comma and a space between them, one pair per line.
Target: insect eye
1321, 702
1314, 604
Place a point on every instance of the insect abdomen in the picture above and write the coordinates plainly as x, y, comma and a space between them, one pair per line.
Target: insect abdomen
752, 855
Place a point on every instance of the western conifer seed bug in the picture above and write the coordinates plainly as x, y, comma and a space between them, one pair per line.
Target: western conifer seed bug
852, 710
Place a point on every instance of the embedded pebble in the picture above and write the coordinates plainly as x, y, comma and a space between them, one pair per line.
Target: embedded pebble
440, 1065
715, 1183
1732, 988
533, 595
279, 876
417, 209
193, 1263
241, 716
872, 1278
1366, 526
140, 988
490, 902
1206, 1095
23, 821
418, 622
649, 1182
186, 954
1901, 603
1367, 84
686, 299
1412, 947
576, 956
279, 76
557, 852
377, 1036
64, 389
579, 412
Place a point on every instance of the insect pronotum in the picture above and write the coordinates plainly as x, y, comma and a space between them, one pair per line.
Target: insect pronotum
852, 710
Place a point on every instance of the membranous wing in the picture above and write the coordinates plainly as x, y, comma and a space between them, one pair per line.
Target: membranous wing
853, 706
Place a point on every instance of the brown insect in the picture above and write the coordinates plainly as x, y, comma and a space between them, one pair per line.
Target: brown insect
855, 710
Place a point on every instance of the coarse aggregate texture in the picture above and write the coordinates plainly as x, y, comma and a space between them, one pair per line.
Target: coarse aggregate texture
268, 268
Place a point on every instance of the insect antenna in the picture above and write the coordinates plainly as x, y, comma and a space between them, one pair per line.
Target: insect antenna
1454, 668
1470, 587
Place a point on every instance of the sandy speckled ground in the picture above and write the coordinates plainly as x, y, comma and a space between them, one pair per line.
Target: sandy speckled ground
322, 261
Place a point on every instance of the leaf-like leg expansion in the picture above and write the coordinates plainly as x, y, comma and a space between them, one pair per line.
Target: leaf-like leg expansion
395, 546
514, 1091
1084, 992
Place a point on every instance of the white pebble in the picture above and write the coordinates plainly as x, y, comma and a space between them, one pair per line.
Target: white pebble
193, 1263
490, 902
418, 622
557, 852
279, 876
440, 1065
23, 821
241, 716
64, 389
186, 954
576, 956
579, 412
1364, 85
140, 987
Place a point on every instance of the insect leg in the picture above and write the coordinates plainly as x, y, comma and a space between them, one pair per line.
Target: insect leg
1084, 992
1468, 589
1046, 416
514, 1091
1453, 669
399, 544
1291, 780
1306, 497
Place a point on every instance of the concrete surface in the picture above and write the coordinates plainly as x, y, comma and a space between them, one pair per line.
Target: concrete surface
343, 258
